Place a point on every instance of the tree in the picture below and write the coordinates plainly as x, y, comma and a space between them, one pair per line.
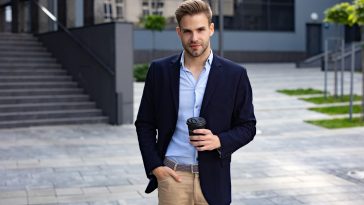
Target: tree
340, 14
349, 14
154, 23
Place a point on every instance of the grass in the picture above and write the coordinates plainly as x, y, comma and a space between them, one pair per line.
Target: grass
331, 99
300, 91
337, 110
338, 123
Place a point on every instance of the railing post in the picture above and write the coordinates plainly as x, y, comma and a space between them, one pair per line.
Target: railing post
352, 80
342, 67
326, 67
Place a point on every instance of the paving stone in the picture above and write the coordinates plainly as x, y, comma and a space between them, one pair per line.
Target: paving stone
288, 162
68, 191
285, 200
13, 201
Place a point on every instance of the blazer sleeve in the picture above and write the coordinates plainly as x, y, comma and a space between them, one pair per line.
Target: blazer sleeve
146, 125
243, 120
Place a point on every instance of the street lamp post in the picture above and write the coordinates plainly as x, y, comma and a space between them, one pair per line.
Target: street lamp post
221, 29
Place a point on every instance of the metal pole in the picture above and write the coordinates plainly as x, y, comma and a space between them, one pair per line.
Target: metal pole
352, 80
326, 67
342, 67
336, 54
221, 29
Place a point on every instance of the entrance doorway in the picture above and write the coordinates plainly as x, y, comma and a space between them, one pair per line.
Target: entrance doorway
313, 39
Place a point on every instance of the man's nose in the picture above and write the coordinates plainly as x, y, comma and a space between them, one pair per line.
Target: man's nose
194, 36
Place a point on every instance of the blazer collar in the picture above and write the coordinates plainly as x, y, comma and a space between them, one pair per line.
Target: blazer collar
213, 80
174, 80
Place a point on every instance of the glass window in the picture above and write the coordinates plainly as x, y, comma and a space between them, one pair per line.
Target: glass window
261, 15
119, 12
145, 12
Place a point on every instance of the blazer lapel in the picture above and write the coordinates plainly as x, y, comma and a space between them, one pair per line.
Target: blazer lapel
174, 81
212, 82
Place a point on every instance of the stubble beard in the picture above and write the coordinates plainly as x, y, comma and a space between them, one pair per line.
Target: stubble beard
196, 53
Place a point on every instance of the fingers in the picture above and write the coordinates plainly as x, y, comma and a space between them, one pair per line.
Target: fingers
174, 175
205, 140
202, 131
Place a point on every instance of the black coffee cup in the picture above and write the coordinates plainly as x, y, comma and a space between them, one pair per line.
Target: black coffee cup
194, 123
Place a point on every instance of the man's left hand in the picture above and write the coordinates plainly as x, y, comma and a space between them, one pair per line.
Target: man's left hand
205, 140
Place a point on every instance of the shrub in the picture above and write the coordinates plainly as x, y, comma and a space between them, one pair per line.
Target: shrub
140, 72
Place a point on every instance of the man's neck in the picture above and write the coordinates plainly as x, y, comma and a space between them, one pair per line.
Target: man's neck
196, 62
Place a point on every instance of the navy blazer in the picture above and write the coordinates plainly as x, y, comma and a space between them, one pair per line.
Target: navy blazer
227, 107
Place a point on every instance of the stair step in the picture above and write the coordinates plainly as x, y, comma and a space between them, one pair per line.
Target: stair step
49, 114
46, 106
16, 42
41, 78
30, 66
25, 54
15, 35
24, 85
18, 39
32, 72
43, 99
18, 59
38, 91
35, 90
58, 121
5, 49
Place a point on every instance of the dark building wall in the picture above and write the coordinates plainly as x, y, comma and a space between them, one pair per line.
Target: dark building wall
100, 81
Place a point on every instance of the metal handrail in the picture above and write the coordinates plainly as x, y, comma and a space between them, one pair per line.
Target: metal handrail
80, 43
349, 52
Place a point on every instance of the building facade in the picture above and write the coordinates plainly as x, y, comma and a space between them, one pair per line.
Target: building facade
254, 30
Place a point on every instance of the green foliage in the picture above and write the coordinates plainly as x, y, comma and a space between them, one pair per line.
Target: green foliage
300, 91
358, 14
337, 110
341, 14
154, 22
338, 123
140, 72
331, 99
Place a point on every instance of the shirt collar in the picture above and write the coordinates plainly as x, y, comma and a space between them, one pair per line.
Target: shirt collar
207, 63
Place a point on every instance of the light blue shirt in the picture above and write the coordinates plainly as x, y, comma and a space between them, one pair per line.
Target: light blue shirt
191, 94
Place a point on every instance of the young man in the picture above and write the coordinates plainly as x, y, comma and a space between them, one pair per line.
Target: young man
193, 169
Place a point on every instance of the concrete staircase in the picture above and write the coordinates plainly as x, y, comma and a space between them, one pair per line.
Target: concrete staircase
35, 90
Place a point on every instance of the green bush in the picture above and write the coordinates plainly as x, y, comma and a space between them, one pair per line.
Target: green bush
140, 72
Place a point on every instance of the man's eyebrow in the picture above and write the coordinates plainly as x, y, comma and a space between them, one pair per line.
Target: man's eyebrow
199, 28
185, 29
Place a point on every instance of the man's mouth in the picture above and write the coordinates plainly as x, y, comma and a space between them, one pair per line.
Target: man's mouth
194, 45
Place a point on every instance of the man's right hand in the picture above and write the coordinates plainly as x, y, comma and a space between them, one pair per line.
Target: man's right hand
163, 172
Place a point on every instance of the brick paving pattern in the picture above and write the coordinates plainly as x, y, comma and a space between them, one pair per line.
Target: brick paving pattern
289, 162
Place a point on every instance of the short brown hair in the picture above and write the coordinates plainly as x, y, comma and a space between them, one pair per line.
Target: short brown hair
192, 7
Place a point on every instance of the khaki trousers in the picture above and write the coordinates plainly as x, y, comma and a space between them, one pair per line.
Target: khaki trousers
187, 192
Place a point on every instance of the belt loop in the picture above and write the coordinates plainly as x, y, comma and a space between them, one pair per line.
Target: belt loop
175, 166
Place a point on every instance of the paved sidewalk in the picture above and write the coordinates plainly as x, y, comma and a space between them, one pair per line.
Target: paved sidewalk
289, 162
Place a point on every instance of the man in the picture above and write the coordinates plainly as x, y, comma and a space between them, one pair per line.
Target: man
193, 169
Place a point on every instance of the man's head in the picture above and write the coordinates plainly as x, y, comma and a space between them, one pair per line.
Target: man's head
195, 27
192, 7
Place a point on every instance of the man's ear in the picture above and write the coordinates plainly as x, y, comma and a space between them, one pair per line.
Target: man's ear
178, 30
212, 29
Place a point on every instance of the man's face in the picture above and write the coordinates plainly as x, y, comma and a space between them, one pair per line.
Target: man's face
195, 32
